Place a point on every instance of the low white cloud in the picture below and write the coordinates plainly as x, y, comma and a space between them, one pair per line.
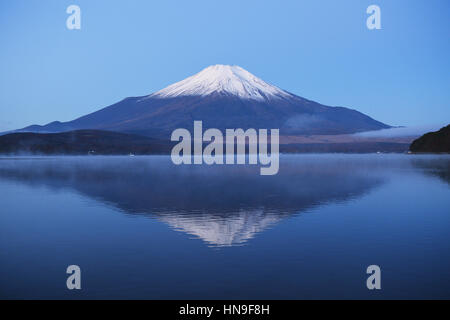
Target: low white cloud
402, 131
304, 121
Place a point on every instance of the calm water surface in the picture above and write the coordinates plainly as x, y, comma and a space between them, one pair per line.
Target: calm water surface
141, 227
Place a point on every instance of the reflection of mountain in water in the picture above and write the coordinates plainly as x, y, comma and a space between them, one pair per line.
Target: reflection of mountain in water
222, 205
236, 229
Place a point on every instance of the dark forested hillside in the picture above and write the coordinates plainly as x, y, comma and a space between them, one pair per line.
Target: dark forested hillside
80, 142
438, 141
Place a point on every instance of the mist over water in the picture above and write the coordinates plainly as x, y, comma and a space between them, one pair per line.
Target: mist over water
142, 227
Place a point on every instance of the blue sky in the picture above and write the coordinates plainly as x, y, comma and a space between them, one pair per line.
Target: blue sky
318, 49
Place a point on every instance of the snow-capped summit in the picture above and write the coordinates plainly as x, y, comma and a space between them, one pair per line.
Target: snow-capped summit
232, 80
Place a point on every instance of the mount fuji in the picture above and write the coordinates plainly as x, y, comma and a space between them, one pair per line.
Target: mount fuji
222, 97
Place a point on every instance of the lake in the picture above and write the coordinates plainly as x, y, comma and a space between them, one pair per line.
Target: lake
141, 227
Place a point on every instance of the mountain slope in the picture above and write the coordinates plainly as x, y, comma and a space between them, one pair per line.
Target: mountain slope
222, 97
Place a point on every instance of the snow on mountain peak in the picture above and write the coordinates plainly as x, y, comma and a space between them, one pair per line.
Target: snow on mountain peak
232, 80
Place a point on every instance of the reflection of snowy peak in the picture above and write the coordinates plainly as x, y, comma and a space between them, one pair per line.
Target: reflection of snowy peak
223, 232
222, 79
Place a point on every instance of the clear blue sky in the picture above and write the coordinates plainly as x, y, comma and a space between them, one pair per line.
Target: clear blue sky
318, 49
